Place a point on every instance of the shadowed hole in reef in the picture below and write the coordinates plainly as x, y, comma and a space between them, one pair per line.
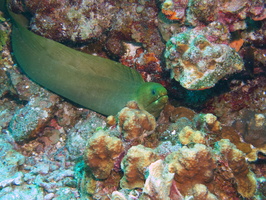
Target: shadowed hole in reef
14, 97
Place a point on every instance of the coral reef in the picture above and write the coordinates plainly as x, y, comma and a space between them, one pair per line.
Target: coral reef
101, 152
63, 20
200, 191
216, 151
242, 95
29, 120
233, 14
137, 159
197, 63
191, 166
11, 160
234, 159
174, 10
252, 127
146, 63
188, 135
135, 123
158, 182
106, 20
80, 132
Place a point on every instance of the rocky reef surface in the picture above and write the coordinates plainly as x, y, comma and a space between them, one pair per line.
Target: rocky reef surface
209, 141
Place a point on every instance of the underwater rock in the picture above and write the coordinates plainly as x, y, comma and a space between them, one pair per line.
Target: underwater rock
201, 11
252, 127
10, 162
7, 110
22, 192
5, 85
78, 135
135, 123
147, 64
243, 95
87, 20
175, 10
137, 159
68, 21
29, 120
233, 14
197, 63
101, 151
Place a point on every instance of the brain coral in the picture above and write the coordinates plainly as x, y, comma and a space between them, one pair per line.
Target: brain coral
198, 63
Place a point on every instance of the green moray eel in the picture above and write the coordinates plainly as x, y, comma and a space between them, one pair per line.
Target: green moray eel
96, 83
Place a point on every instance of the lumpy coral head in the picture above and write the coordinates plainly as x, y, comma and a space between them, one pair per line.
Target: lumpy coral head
137, 159
235, 160
152, 97
197, 63
101, 150
133, 122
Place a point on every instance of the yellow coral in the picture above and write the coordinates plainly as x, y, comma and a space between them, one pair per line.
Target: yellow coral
134, 123
101, 150
245, 179
134, 165
188, 135
201, 192
191, 166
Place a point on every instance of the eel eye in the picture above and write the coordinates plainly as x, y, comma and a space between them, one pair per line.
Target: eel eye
153, 91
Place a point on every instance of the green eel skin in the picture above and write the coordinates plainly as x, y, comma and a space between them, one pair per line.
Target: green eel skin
96, 83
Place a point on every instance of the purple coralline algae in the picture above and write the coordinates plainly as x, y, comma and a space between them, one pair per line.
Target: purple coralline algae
197, 63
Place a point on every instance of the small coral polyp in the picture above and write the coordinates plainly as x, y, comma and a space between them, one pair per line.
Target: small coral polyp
197, 63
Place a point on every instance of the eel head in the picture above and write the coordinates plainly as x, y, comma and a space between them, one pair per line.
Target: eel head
152, 97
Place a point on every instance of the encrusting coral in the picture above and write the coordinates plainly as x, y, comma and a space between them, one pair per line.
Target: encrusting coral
188, 135
235, 162
135, 123
200, 191
158, 182
101, 150
134, 164
197, 63
191, 166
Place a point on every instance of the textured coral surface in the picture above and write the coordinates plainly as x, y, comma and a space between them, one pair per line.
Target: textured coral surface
206, 144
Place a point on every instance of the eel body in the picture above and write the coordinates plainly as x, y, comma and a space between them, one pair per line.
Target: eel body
96, 83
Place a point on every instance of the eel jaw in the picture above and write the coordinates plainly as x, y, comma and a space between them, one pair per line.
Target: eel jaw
156, 106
